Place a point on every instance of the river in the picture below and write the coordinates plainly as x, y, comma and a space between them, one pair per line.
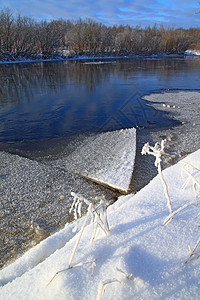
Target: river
48, 108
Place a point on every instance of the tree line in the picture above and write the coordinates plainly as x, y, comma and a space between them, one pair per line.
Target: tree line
24, 36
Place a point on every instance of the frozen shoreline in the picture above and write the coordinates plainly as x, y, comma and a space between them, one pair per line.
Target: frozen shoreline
181, 105
85, 57
139, 258
36, 196
181, 140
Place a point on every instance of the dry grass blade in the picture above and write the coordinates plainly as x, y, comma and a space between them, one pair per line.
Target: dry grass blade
131, 276
169, 218
192, 252
102, 287
195, 247
105, 225
191, 177
191, 165
71, 267
100, 223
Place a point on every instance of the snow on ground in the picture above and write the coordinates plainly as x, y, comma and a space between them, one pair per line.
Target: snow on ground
192, 52
107, 158
139, 259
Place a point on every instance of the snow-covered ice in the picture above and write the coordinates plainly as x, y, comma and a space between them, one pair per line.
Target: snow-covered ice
183, 106
107, 158
138, 245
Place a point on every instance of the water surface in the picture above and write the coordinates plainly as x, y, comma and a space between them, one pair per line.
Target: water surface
48, 100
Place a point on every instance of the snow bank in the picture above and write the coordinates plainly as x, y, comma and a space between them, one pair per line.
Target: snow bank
139, 259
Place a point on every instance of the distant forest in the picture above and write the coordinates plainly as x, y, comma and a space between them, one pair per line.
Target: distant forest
23, 36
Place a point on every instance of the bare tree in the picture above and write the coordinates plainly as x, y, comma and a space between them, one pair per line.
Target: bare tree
24, 34
21, 35
6, 29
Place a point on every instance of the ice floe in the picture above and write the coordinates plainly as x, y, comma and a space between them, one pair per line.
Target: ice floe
107, 158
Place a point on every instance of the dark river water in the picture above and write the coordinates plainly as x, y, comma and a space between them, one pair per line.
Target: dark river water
48, 100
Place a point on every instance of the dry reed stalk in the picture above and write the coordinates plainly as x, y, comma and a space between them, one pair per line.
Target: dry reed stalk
80, 234
168, 219
192, 252
131, 276
191, 177
102, 287
71, 267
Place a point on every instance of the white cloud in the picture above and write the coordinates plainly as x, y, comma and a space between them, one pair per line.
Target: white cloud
180, 13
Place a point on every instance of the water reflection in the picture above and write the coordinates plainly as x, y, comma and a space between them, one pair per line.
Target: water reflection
51, 99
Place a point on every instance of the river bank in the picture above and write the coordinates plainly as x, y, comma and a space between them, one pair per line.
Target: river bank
17, 58
138, 257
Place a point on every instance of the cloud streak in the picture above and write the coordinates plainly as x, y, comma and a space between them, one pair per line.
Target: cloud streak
178, 13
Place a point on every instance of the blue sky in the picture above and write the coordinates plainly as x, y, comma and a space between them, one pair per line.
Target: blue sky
177, 13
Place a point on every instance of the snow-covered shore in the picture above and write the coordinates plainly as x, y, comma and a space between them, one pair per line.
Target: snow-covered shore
192, 52
137, 244
54, 58
140, 258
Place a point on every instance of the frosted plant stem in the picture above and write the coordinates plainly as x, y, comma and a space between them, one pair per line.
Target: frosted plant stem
192, 252
195, 181
103, 227
104, 224
80, 234
158, 151
168, 219
169, 204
